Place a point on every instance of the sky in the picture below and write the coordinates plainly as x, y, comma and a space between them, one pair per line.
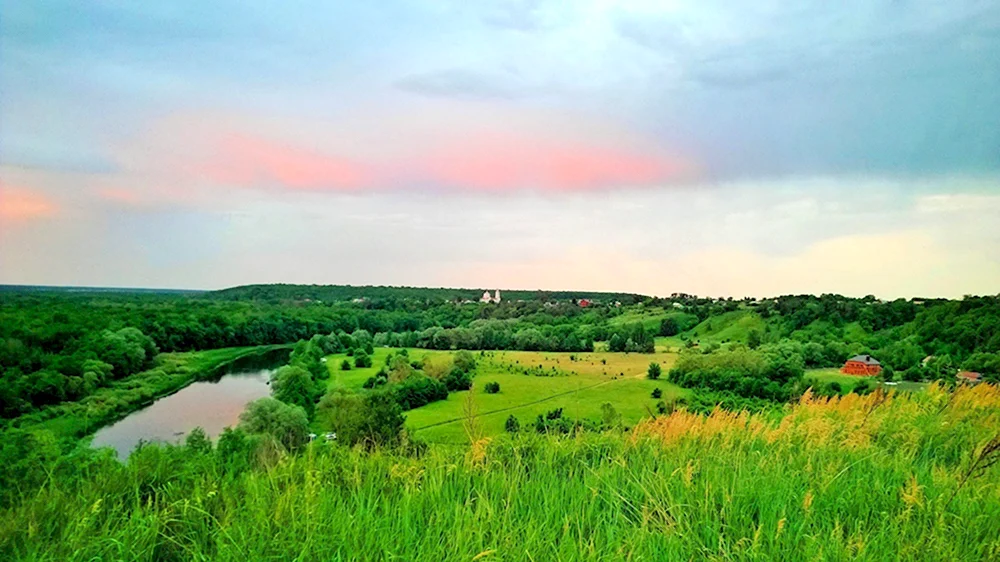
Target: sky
721, 148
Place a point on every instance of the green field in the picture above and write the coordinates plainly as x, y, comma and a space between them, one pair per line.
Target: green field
847, 382
355, 377
579, 387
833, 374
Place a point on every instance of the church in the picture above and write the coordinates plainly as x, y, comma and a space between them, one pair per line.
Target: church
495, 299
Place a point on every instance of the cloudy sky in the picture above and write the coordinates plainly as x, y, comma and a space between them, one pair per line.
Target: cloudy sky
712, 147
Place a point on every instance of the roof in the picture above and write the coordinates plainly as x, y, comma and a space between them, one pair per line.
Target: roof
970, 375
866, 359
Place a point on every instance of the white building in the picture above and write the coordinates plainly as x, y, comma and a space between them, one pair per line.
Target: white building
495, 299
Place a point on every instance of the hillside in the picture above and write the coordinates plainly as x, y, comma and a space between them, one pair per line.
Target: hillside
333, 293
860, 478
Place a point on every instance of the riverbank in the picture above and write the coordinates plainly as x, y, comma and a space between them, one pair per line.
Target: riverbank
71, 421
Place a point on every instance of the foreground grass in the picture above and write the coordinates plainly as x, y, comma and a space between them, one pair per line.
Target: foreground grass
532, 383
857, 478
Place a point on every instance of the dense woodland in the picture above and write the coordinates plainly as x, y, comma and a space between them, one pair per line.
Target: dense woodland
60, 345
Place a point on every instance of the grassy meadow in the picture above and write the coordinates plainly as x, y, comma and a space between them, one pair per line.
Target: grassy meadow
531, 383
847, 382
878, 477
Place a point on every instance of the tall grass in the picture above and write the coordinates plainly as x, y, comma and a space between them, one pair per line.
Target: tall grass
852, 478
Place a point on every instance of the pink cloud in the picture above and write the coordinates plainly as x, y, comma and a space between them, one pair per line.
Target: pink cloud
454, 147
253, 161
479, 162
525, 163
120, 195
18, 204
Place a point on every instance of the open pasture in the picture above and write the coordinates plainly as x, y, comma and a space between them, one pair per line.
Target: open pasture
532, 383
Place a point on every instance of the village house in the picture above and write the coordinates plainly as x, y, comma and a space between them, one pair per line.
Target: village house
862, 365
969, 377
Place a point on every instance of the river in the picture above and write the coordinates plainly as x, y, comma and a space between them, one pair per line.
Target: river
212, 405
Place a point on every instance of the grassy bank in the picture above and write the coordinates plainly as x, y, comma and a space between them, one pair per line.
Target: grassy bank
173, 371
858, 478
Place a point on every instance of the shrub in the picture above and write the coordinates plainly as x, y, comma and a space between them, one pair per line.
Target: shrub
378, 380
417, 391
654, 371
374, 418
772, 372
457, 379
361, 359
345, 365
197, 440
657, 393
512, 425
610, 417
492, 387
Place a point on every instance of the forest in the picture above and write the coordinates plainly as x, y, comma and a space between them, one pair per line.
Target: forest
57, 345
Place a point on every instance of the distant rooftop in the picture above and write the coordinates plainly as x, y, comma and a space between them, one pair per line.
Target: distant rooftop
866, 359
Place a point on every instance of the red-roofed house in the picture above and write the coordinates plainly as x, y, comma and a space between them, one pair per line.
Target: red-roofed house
862, 365
969, 377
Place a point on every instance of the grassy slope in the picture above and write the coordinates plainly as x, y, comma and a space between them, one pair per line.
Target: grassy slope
580, 388
650, 318
844, 480
731, 326
728, 327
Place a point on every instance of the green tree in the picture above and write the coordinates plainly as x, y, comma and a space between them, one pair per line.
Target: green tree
345, 365
288, 424
465, 361
609, 416
512, 425
669, 327
234, 449
294, 385
616, 344
753, 339
362, 359
197, 441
